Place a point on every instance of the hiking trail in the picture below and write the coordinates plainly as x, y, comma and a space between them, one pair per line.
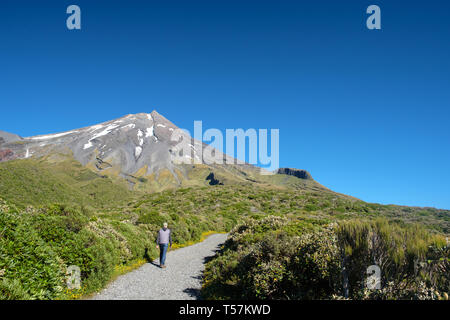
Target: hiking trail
181, 280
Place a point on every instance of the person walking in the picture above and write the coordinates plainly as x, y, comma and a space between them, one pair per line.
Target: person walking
162, 243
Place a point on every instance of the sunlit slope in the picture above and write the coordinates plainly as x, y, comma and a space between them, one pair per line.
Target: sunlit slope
37, 182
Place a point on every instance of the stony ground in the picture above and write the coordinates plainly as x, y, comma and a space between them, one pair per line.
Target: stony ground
180, 280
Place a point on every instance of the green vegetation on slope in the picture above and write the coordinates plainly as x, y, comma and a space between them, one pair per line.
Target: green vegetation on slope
39, 182
58, 214
281, 258
38, 245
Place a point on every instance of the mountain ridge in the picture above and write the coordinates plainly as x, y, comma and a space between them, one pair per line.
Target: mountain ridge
139, 148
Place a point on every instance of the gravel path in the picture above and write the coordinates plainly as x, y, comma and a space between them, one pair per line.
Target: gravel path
180, 280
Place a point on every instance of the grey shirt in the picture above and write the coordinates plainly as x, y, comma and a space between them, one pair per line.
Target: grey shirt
164, 236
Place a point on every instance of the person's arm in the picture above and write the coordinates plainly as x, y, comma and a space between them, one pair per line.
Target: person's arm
170, 238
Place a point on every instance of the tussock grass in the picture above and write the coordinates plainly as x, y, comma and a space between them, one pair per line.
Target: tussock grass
57, 214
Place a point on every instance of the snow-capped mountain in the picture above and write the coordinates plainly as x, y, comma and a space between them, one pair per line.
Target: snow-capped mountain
143, 147
135, 143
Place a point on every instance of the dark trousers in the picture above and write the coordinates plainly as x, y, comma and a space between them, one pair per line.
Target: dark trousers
162, 252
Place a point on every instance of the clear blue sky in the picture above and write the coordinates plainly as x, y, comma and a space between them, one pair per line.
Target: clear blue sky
366, 112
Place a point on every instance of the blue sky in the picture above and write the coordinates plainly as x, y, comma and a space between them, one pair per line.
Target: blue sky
366, 112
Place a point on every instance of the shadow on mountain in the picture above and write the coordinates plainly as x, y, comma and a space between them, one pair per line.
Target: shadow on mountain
213, 181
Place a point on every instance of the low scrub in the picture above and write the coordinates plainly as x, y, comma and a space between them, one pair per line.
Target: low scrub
263, 260
285, 243
38, 245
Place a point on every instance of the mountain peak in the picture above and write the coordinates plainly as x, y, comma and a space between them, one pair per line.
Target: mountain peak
137, 147
125, 145
153, 116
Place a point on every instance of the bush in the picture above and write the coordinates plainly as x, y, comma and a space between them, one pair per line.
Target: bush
398, 251
279, 258
31, 268
151, 218
37, 246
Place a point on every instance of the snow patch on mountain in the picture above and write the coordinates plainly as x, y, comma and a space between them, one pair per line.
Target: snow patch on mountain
52, 136
137, 152
105, 132
95, 128
149, 132
140, 134
100, 134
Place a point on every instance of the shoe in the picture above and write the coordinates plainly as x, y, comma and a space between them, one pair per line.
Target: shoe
163, 266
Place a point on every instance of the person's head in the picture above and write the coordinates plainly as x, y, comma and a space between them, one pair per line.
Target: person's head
165, 225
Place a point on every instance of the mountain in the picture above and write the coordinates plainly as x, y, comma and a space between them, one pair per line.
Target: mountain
130, 143
138, 148
95, 197
6, 137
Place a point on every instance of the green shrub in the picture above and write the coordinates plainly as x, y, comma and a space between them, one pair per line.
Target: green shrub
151, 218
280, 258
37, 246
31, 267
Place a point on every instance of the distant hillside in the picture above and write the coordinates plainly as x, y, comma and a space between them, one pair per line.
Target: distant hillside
39, 182
138, 150
94, 197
